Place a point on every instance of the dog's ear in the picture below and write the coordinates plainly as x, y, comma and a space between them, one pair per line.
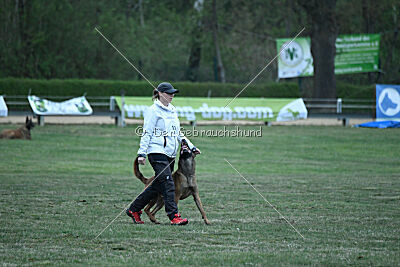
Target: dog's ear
26, 120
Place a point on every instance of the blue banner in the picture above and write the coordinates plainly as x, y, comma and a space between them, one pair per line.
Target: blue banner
387, 102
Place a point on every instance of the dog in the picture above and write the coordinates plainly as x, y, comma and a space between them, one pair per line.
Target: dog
184, 180
23, 132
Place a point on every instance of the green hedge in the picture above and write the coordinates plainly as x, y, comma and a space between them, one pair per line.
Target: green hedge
76, 87
346, 90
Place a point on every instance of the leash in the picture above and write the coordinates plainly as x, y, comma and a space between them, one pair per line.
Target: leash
133, 200
105, 38
125, 58
264, 199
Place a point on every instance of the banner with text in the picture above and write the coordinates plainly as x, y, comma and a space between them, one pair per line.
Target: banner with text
198, 108
357, 53
387, 102
75, 106
354, 54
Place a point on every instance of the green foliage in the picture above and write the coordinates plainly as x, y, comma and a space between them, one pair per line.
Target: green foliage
72, 87
77, 87
56, 39
348, 90
231, 89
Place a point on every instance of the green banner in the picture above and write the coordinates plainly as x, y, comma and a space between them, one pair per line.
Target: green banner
198, 108
357, 53
354, 54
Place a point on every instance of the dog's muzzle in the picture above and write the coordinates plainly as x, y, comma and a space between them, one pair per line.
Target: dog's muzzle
185, 149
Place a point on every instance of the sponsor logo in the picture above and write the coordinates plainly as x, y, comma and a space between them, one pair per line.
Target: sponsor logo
292, 55
389, 102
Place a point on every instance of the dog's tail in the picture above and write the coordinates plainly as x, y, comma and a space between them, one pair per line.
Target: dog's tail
137, 172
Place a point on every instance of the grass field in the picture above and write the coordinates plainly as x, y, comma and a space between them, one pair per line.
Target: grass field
339, 186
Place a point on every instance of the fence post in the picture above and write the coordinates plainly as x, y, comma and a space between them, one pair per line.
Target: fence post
112, 103
40, 120
339, 106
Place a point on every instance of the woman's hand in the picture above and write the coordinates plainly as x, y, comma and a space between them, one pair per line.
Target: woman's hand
141, 160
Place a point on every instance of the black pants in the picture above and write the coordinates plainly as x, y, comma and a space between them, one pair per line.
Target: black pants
163, 184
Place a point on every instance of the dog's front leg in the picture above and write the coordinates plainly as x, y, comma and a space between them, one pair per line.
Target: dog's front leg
149, 214
196, 197
159, 205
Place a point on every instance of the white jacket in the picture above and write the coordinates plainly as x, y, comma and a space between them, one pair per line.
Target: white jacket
161, 131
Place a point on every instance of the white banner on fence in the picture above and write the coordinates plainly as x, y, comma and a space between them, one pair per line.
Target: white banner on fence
3, 107
74, 106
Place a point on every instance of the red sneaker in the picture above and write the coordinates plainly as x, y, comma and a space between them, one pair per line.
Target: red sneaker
177, 220
135, 216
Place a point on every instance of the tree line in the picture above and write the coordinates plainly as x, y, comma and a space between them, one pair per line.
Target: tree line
187, 40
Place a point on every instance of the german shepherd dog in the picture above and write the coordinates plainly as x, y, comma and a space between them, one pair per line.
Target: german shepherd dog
23, 132
184, 180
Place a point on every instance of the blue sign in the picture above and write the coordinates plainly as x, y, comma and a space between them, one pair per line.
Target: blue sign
388, 102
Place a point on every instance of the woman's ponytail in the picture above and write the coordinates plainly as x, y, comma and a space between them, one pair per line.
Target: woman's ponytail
156, 95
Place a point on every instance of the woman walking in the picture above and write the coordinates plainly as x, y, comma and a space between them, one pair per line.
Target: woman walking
160, 142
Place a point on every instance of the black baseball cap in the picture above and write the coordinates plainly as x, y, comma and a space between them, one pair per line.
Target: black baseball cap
167, 88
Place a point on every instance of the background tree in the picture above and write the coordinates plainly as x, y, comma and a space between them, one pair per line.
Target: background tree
172, 41
218, 59
322, 19
196, 35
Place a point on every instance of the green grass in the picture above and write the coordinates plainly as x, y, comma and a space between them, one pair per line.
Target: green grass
340, 187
